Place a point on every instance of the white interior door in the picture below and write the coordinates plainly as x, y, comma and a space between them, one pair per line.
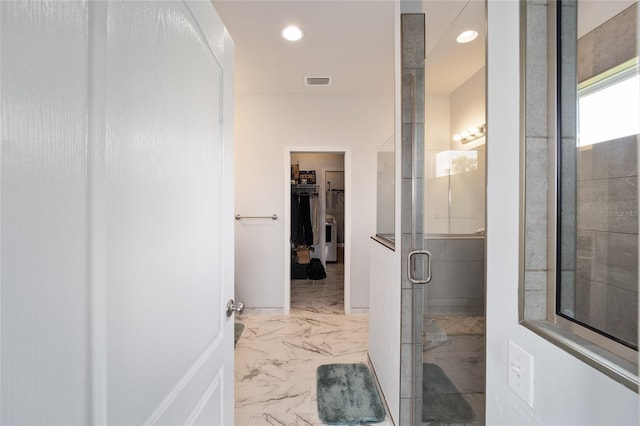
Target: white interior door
43, 163
117, 213
169, 343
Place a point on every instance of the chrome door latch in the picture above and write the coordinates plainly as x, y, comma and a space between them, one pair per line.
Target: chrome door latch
233, 307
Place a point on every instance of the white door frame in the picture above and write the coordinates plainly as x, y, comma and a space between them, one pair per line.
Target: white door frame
346, 151
323, 188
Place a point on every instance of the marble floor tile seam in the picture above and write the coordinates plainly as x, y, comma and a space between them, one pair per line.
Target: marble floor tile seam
317, 310
286, 370
313, 336
301, 323
302, 354
355, 332
300, 350
312, 322
327, 339
290, 317
316, 321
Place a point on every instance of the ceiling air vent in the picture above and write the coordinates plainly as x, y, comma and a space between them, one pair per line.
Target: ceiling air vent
317, 81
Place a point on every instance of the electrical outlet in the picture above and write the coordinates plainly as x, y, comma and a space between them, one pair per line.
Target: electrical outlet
521, 372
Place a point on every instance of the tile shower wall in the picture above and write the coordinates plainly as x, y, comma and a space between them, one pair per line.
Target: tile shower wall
536, 150
457, 283
607, 241
608, 45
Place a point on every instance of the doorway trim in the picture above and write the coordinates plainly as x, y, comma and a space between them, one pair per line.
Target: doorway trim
346, 151
323, 188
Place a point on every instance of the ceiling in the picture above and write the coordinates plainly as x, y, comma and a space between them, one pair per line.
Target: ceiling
351, 41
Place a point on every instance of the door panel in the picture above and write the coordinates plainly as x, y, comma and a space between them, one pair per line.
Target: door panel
164, 188
43, 178
116, 213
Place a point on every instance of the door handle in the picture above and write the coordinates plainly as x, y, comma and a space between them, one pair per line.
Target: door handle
409, 272
233, 307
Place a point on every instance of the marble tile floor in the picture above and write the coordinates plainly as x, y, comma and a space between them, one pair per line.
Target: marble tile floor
324, 296
277, 355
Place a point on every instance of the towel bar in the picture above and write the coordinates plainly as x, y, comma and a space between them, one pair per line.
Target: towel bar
274, 217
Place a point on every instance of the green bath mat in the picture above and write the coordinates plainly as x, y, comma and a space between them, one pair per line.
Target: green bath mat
441, 401
347, 395
239, 327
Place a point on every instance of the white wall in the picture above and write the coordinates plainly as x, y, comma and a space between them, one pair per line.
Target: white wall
384, 322
437, 138
385, 198
267, 125
385, 298
467, 206
456, 202
468, 109
566, 391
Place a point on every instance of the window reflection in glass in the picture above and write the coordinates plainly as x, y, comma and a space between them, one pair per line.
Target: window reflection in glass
455, 162
598, 159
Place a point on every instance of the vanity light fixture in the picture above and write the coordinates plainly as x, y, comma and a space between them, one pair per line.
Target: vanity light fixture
292, 33
471, 134
467, 36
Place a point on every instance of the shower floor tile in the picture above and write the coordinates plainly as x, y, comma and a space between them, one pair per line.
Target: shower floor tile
461, 357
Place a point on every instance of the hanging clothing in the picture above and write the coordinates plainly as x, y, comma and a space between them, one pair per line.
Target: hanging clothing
295, 207
305, 232
315, 219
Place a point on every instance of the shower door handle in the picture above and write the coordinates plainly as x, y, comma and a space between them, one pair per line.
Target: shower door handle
409, 269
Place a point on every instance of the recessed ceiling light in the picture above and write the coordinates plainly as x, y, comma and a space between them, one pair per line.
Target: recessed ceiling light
292, 33
467, 36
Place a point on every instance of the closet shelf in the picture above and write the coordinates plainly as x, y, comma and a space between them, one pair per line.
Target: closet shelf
305, 188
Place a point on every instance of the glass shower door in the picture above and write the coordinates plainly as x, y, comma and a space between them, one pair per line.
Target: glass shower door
448, 212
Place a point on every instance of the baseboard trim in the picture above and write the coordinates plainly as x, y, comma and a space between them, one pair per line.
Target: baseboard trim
382, 395
261, 311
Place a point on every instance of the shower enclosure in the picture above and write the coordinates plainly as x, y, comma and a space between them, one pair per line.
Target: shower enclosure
443, 238
438, 229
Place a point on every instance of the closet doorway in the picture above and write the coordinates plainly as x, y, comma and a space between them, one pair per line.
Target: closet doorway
317, 230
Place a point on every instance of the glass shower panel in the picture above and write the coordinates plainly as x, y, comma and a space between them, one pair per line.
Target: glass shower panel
467, 192
451, 368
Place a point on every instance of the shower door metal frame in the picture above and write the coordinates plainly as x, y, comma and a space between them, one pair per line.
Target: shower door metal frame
414, 272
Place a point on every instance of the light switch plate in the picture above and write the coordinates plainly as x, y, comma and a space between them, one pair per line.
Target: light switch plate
521, 372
